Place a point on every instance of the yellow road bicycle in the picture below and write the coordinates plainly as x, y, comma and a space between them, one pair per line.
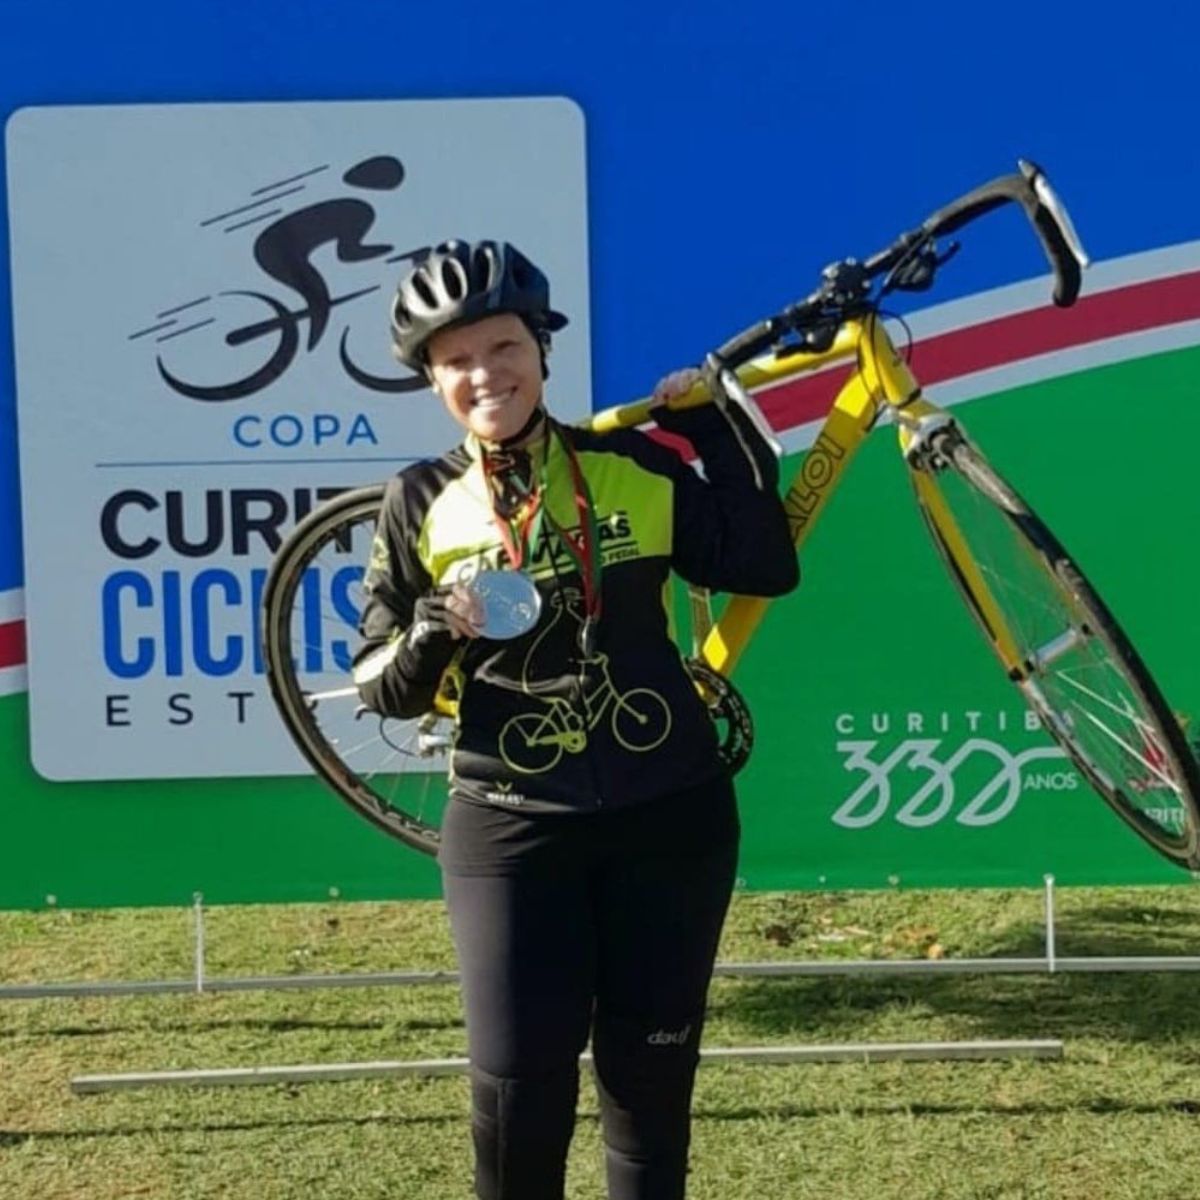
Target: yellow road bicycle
1055, 638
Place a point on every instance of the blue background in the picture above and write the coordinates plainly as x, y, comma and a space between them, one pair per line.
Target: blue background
732, 148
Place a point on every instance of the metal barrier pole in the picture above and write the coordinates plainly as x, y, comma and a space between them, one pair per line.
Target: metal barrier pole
863, 1052
198, 918
1051, 957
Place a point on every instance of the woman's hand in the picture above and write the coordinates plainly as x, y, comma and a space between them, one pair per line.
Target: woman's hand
456, 610
464, 611
677, 383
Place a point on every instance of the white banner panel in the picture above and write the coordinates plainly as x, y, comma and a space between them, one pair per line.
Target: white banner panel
201, 300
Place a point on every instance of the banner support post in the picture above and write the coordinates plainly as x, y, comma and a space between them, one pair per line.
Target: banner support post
198, 920
1051, 954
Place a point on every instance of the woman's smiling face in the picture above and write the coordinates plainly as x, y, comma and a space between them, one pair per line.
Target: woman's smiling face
488, 374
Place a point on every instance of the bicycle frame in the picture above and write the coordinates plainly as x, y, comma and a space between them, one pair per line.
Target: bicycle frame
881, 381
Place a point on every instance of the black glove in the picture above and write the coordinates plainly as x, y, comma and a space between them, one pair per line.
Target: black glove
430, 618
429, 643
699, 424
727, 443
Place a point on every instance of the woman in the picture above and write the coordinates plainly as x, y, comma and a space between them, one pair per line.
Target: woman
589, 848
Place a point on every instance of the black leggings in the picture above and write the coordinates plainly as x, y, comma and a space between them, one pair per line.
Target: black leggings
607, 922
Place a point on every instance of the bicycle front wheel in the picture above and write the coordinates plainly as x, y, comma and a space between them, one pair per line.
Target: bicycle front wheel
392, 772
1062, 648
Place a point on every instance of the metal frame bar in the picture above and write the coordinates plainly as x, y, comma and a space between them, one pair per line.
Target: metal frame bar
863, 1052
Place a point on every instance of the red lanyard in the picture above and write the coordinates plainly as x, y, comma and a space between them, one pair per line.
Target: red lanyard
583, 550
514, 534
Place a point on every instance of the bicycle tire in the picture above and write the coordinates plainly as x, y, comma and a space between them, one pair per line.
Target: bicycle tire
1078, 671
360, 769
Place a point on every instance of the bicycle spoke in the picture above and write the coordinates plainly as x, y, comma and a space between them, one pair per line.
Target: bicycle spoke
374, 739
335, 694
1127, 712
1128, 748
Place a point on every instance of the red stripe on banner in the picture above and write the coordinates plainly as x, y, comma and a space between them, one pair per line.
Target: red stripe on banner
1130, 309
12, 644
1008, 339
1043, 330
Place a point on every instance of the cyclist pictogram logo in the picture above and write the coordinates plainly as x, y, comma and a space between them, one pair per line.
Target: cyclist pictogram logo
269, 323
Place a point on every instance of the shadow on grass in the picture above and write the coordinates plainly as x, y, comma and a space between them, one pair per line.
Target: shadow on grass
20, 1137
1101, 1106
1106, 930
263, 1024
1150, 1006
1147, 1008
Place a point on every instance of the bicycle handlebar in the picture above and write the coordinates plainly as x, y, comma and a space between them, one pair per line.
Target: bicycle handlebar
1032, 191
1029, 188
753, 341
846, 289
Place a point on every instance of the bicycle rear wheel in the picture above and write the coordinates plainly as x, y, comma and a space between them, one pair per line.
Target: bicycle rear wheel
1062, 647
392, 772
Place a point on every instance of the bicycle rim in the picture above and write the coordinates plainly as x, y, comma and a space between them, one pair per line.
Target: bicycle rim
392, 772
1075, 666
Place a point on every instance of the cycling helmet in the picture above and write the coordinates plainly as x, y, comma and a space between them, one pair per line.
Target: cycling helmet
460, 282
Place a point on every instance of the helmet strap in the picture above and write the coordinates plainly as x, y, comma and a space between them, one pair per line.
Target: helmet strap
535, 419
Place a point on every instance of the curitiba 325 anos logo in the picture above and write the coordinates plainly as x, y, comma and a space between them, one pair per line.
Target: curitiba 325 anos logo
921, 769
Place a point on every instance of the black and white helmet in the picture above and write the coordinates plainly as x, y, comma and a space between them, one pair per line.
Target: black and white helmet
462, 282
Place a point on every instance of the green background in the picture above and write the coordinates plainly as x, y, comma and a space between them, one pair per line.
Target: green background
1106, 457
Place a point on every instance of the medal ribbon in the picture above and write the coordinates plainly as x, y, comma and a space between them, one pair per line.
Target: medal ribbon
515, 536
518, 535
584, 552
514, 533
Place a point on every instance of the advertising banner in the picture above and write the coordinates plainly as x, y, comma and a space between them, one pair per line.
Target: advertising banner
201, 297
200, 323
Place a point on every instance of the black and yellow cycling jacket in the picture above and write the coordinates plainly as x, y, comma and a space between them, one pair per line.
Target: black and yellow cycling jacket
541, 726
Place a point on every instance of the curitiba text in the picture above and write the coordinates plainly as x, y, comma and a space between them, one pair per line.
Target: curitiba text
188, 617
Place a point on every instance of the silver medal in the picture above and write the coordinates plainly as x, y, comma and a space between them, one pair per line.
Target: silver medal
511, 603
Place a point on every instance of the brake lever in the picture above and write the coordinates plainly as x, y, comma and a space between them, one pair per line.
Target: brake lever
951, 250
725, 389
916, 273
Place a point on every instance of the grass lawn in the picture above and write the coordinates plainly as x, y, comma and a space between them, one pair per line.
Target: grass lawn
1117, 1119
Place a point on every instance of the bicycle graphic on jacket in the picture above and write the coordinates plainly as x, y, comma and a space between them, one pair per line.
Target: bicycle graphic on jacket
532, 743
